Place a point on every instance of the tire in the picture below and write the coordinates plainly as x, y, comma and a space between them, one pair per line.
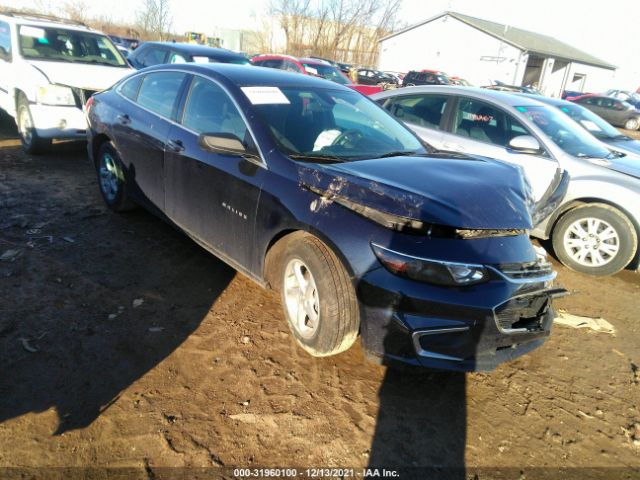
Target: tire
111, 179
335, 327
632, 124
596, 239
32, 143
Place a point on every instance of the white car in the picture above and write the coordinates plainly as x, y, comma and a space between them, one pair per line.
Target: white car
48, 70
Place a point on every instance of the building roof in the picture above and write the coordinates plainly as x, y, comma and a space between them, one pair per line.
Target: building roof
525, 40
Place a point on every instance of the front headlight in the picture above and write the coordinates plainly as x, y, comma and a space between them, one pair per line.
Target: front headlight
437, 272
55, 95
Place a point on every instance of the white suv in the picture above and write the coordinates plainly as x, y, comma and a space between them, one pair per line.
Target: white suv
48, 70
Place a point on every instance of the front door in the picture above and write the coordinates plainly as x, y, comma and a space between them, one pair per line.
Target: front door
212, 196
483, 129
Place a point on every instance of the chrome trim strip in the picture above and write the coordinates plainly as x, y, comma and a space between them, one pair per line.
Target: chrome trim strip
415, 336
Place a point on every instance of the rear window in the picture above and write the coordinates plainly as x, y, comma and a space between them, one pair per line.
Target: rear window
159, 92
130, 87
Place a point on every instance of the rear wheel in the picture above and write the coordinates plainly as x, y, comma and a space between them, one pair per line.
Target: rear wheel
632, 124
32, 143
319, 300
596, 239
111, 179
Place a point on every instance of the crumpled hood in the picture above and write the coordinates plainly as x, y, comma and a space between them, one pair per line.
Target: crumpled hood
81, 75
451, 190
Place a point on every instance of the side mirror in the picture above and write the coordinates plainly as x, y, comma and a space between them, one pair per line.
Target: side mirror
224, 143
525, 144
4, 54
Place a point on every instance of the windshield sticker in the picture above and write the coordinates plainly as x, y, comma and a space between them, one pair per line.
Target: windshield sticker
32, 32
311, 70
265, 95
200, 59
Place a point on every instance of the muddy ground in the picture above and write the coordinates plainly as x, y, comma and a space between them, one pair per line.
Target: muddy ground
123, 344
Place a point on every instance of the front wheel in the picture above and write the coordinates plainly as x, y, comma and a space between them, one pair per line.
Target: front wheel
596, 239
632, 124
319, 299
32, 143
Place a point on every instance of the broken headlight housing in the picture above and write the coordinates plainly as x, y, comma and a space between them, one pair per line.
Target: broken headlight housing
437, 272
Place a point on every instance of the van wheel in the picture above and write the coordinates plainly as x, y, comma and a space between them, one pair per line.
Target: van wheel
111, 179
596, 239
31, 142
632, 124
319, 300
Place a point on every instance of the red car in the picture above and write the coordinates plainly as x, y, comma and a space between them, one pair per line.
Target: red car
312, 66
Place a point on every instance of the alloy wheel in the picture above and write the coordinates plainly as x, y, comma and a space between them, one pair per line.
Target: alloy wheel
109, 180
25, 126
591, 242
301, 298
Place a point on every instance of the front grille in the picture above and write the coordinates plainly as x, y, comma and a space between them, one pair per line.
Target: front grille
81, 96
525, 312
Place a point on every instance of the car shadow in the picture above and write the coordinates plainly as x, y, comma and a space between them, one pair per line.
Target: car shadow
91, 301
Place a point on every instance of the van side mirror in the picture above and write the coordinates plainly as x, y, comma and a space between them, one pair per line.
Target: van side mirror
4, 54
525, 144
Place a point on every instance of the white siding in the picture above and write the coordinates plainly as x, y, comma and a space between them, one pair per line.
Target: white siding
452, 46
597, 79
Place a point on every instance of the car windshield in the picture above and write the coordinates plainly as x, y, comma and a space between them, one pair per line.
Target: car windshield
62, 45
594, 124
565, 133
327, 72
334, 125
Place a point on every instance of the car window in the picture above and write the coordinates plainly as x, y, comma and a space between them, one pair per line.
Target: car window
483, 122
130, 87
5, 41
177, 58
273, 63
290, 67
154, 56
210, 110
422, 110
159, 92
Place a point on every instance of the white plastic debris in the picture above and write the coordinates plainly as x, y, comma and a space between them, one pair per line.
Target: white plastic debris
575, 321
9, 255
137, 302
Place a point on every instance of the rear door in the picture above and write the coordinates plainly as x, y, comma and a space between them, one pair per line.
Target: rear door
423, 113
213, 197
480, 128
141, 128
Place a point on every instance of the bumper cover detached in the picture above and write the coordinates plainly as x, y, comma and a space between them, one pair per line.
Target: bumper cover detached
472, 329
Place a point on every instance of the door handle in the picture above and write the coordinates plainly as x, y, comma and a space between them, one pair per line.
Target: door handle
124, 119
176, 145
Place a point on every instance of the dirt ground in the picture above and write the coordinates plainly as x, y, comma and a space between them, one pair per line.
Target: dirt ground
123, 344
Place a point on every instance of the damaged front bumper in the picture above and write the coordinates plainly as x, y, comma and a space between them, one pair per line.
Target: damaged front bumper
465, 329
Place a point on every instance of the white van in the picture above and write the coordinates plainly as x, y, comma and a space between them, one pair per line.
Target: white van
48, 70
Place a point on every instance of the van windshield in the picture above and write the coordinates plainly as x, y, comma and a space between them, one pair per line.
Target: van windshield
65, 45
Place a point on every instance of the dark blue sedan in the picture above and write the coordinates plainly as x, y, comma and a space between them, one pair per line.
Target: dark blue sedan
310, 188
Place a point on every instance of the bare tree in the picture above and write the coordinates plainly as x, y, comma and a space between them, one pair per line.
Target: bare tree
154, 20
76, 10
341, 29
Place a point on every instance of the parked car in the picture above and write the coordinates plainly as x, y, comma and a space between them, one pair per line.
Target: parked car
157, 53
48, 70
614, 111
345, 67
128, 44
314, 67
569, 94
368, 76
595, 125
587, 196
501, 87
310, 188
459, 81
626, 96
398, 76
425, 77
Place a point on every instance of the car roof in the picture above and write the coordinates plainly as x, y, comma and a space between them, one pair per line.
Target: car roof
248, 76
190, 49
504, 98
556, 102
44, 21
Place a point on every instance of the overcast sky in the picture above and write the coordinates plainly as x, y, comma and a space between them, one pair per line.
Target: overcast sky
608, 30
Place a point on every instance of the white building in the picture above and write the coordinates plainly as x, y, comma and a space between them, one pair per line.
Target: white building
482, 52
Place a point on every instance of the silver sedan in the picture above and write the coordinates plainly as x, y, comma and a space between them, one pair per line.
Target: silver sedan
594, 226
